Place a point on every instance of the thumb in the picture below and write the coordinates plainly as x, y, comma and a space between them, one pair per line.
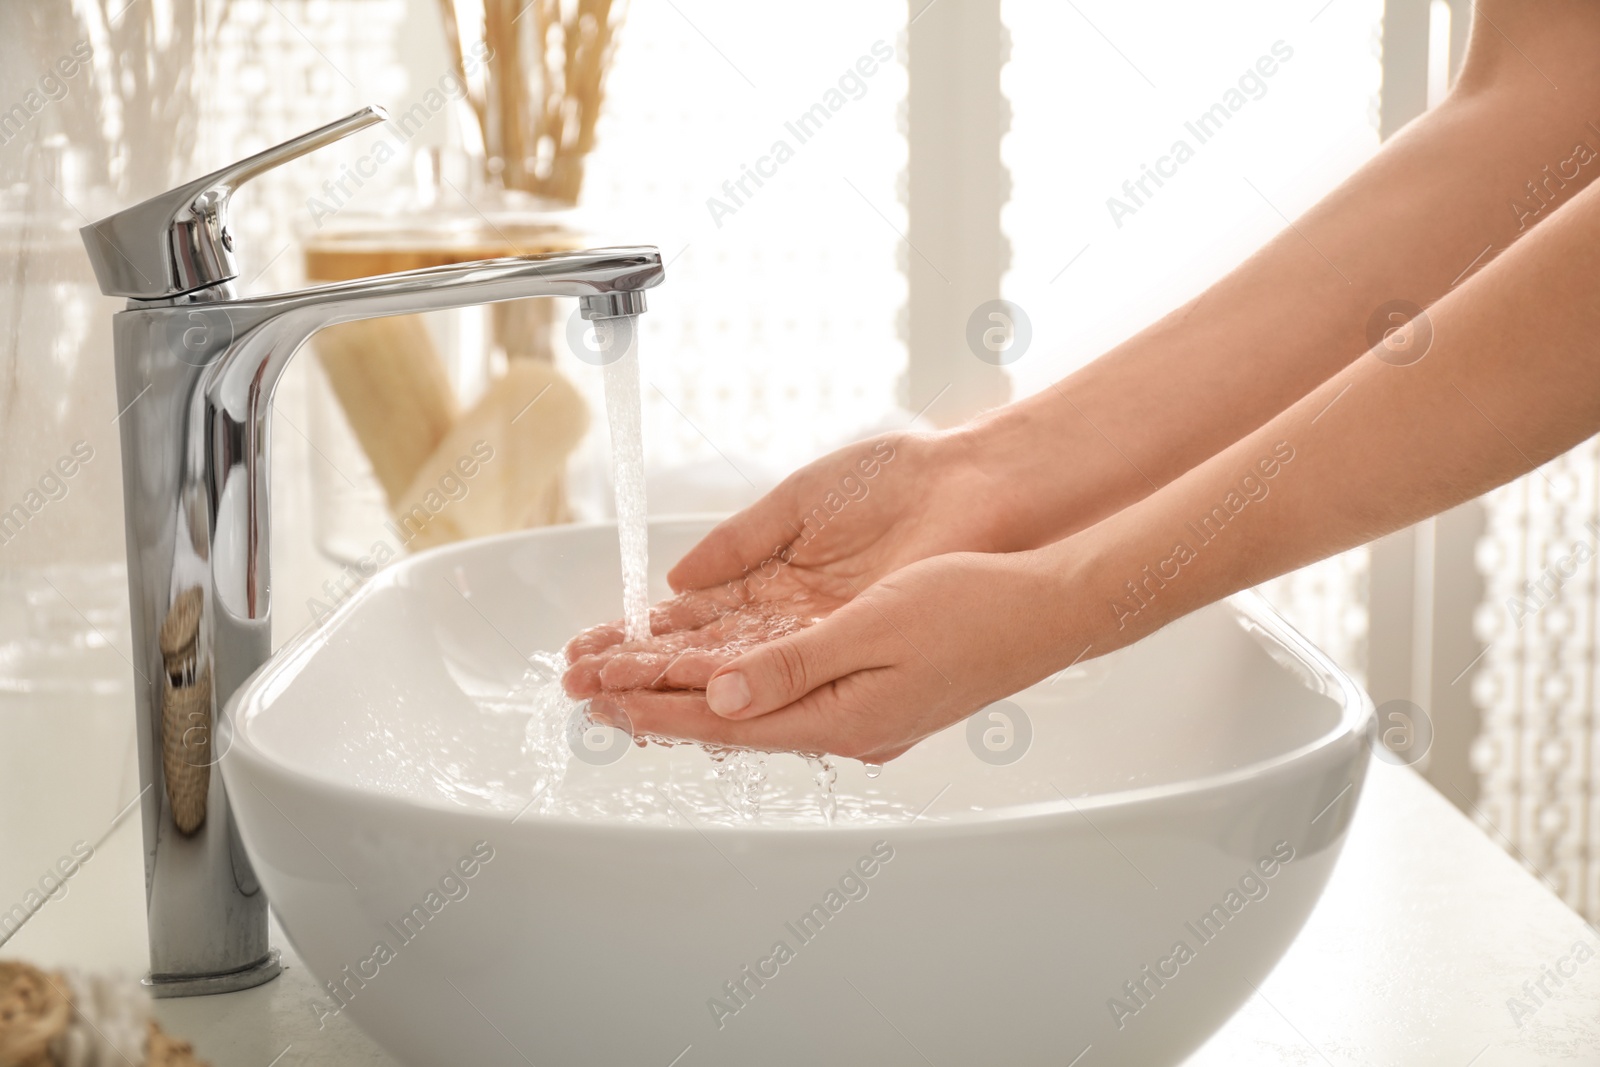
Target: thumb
780, 672
739, 542
731, 549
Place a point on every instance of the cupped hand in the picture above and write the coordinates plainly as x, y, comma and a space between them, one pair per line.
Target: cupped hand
695, 634
918, 650
815, 542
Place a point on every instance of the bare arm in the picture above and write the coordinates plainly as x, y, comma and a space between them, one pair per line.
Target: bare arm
1434, 205
1511, 379
1244, 435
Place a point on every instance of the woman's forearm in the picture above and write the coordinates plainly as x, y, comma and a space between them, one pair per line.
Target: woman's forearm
1510, 380
1433, 206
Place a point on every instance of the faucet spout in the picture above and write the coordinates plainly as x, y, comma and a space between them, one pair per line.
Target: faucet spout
196, 373
259, 336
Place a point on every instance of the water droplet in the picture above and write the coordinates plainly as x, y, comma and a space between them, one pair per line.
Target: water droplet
741, 774
827, 775
873, 769
544, 741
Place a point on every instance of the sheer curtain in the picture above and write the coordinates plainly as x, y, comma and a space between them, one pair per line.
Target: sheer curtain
1538, 756
1097, 96
1100, 92
775, 337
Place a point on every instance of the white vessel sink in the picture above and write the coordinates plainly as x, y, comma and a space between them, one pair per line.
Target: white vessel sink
377, 773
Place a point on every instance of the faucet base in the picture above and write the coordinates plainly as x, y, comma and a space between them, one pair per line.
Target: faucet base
199, 985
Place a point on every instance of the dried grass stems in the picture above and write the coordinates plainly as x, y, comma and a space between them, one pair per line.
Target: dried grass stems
538, 98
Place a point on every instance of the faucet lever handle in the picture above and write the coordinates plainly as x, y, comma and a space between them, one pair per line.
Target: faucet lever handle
178, 241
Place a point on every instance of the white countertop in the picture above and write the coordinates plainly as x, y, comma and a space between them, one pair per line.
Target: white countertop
1425, 933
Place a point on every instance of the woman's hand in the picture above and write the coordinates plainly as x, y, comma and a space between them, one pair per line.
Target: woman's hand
696, 633
815, 542
926, 646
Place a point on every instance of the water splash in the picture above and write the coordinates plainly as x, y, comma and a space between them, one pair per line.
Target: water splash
519, 757
550, 709
826, 776
741, 774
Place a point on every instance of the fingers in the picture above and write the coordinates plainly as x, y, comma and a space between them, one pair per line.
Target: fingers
826, 720
582, 679
782, 671
755, 534
684, 714
681, 659
690, 669
691, 610
679, 713
593, 640
687, 611
689, 657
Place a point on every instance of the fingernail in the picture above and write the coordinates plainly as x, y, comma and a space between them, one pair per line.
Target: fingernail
603, 710
728, 693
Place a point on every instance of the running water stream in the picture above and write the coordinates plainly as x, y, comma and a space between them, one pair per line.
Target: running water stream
624, 414
740, 773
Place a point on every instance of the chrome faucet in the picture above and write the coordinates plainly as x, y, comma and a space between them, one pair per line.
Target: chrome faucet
196, 367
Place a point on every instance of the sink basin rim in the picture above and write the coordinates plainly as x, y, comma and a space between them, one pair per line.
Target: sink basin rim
254, 697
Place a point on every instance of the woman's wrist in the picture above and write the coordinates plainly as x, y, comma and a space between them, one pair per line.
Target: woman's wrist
1101, 593
1043, 475
1062, 576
